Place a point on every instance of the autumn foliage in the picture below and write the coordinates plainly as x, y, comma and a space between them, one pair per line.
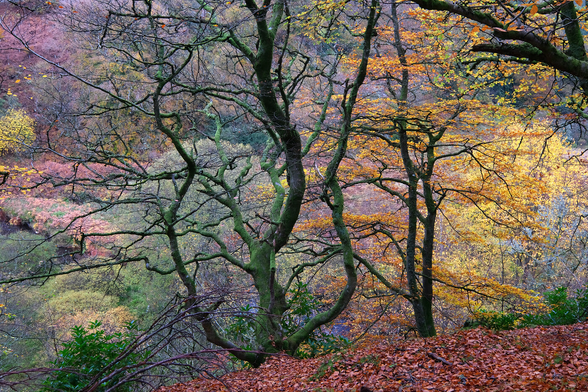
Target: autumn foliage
16, 131
346, 175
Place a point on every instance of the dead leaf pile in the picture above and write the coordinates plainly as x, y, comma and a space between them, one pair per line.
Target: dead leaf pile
532, 359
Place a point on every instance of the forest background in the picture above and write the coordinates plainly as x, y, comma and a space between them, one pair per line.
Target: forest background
210, 183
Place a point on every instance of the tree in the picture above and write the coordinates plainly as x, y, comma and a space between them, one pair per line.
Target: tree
193, 70
17, 131
422, 119
539, 239
548, 33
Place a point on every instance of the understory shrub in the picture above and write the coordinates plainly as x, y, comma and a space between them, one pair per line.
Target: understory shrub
498, 321
563, 311
88, 355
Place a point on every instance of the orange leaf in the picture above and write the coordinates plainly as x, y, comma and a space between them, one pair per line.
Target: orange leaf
534, 9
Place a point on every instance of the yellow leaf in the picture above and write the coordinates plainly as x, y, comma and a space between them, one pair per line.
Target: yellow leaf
16, 128
17, 81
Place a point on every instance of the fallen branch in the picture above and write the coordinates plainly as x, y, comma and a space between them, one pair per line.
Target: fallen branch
438, 358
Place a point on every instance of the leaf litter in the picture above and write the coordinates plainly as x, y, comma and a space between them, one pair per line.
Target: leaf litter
531, 359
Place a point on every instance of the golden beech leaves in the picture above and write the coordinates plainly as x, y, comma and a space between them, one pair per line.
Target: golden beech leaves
17, 130
317, 15
478, 289
524, 212
488, 163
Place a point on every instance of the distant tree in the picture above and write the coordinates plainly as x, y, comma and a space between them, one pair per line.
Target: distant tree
17, 131
537, 232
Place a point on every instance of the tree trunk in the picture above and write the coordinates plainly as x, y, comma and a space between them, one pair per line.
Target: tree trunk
272, 299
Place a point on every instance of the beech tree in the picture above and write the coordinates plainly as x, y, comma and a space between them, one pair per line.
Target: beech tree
186, 74
537, 232
536, 32
423, 119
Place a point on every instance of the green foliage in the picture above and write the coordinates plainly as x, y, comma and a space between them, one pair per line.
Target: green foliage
26, 252
8, 102
71, 300
101, 280
337, 362
498, 321
88, 354
243, 136
243, 328
321, 343
303, 305
143, 291
371, 358
563, 311
327, 367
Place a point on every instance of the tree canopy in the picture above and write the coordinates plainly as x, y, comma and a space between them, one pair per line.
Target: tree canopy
292, 176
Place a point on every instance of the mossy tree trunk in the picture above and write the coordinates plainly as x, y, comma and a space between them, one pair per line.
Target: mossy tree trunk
172, 51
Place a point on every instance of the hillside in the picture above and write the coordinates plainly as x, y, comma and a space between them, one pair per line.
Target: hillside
531, 359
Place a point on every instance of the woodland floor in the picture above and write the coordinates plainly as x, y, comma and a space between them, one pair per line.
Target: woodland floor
531, 359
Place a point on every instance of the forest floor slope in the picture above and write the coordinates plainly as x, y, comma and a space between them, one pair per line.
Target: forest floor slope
531, 359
